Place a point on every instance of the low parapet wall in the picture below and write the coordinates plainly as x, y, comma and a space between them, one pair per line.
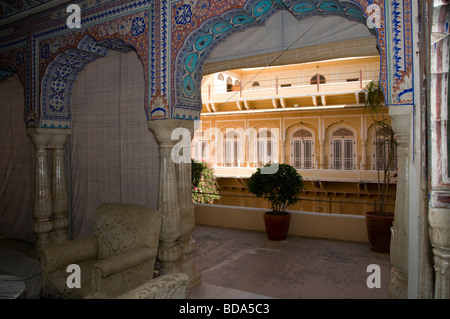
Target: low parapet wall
307, 224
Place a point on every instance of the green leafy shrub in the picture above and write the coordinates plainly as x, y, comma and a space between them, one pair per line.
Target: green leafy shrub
204, 185
280, 188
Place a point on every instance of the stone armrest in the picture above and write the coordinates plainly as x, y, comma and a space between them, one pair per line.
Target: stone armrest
115, 264
57, 256
172, 286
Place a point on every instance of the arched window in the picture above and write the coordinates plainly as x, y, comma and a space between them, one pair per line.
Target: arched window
302, 149
384, 151
229, 84
200, 146
231, 147
343, 147
220, 77
314, 79
255, 85
266, 148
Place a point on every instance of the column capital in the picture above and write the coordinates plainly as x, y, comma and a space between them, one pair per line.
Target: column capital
401, 119
49, 137
163, 129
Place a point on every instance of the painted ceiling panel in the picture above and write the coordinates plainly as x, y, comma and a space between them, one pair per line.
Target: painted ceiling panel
9, 8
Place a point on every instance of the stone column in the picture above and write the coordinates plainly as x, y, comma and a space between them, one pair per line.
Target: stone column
169, 252
42, 206
400, 119
439, 198
439, 221
60, 193
187, 215
322, 154
364, 155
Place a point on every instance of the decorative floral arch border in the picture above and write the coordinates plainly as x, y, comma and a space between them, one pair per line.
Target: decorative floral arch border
199, 27
173, 39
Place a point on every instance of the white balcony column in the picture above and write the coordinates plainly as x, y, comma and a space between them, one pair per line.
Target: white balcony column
60, 193
322, 154
401, 123
169, 252
364, 154
42, 206
186, 206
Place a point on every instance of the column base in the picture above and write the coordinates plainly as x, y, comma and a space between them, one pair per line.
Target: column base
398, 286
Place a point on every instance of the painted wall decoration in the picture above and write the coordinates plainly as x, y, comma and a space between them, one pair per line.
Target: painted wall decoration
9, 8
173, 39
58, 59
198, 27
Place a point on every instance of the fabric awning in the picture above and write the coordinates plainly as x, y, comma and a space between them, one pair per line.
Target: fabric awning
286, 40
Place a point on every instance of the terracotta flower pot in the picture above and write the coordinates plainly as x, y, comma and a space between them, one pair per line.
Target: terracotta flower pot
277, 225
379, 231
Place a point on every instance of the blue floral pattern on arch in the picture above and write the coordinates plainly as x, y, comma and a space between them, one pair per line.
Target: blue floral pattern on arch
45, 51
183, 15
138, 26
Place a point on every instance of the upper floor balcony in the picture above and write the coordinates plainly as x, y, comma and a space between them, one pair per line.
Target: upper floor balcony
287, 92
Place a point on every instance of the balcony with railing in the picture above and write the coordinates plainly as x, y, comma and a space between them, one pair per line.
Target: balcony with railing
285, 92
313, 174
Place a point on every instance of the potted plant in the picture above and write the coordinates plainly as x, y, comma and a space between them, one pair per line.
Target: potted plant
280, 188
379, 222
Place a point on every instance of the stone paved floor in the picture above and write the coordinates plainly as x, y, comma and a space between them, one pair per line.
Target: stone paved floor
245, 264
237, 264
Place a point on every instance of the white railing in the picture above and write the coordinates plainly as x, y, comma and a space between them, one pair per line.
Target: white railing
275, 89
360, 175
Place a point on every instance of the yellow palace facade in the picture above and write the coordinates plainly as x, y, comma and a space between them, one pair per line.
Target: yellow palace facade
310, 115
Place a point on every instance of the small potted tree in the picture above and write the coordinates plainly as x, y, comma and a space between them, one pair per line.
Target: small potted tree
280, 188
379, 221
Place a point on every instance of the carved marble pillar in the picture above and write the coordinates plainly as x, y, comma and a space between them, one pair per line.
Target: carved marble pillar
439, 196
42, 205
186, 206
60, 193
439, 221
400, 119
169, 252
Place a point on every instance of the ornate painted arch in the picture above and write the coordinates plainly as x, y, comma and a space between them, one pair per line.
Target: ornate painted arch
197, 28
61, 74
60, 54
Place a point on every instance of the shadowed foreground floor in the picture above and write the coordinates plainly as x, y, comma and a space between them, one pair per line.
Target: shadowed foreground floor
252, 266
237, 264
